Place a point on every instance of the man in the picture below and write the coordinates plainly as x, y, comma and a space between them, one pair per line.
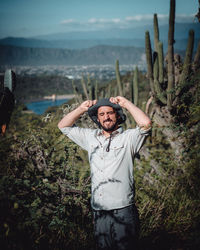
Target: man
111, 152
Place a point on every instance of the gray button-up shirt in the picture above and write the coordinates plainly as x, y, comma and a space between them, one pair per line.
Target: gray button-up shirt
111, 172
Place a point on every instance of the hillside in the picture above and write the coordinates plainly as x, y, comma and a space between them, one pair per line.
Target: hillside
11, 55
45, 181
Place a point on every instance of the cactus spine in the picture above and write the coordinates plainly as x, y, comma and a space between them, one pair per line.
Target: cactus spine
170, 54
119, 84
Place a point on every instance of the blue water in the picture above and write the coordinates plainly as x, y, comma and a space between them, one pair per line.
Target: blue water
40, 107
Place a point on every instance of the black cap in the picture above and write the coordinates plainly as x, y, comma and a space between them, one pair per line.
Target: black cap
92, 111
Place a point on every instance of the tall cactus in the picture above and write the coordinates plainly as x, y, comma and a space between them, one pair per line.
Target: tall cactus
161, 62
84, 88
90, 88
115, 92
149, 60
158, 90
119, 84
155, 69
96, 90
170, 54
188, 58
135, 87
156, 32
102, 94
109, 91
197, 58
78, 97
158, 66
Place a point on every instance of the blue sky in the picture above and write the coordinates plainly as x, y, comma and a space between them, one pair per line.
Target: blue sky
27, 18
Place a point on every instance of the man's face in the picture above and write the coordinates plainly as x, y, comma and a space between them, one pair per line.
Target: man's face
107, 118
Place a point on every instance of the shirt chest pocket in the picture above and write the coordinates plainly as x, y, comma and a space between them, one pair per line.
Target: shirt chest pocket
117, 150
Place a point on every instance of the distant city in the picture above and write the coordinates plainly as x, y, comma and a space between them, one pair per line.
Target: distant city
101, 72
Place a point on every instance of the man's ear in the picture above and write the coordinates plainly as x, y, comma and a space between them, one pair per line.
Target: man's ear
118, 118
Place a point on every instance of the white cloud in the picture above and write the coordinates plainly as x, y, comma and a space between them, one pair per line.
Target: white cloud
139, 17
68, 21
92, 20
92, 23
185, 18
127, 22
103, 20
116, 20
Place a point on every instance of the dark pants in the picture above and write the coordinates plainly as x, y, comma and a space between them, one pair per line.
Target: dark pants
117, 229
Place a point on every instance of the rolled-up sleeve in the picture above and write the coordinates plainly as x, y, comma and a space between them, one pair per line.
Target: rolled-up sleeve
138, 137
78, 135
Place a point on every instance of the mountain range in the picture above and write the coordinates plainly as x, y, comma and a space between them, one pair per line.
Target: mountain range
91, 47
116, 37
12, 55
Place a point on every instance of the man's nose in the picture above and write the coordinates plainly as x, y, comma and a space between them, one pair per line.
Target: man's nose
107, 116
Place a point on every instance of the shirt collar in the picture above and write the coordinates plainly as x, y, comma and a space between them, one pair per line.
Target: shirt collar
117, 131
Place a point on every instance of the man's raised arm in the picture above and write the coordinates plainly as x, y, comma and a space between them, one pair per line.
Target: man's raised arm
70, 118
139, 116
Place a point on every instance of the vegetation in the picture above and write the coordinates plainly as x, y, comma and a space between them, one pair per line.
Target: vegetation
45, 187
45, 182
41, 86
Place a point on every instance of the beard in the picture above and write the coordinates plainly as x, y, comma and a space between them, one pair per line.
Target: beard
108, 129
